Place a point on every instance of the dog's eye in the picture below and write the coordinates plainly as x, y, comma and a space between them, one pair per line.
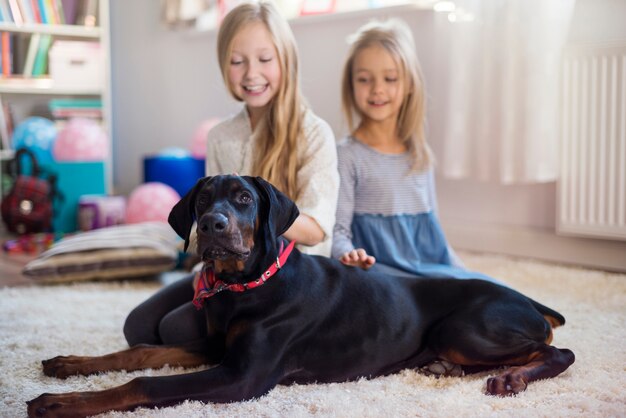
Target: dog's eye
202, 201
245, 197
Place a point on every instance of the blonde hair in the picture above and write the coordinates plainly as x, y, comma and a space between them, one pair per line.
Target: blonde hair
395, 37
277, 134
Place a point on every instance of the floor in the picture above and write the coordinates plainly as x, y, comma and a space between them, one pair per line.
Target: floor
11, 264
11, 269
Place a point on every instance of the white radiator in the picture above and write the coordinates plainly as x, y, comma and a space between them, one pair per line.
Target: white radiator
592, 185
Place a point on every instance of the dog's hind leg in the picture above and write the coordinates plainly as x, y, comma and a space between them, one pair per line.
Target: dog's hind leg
547, 361
507, 331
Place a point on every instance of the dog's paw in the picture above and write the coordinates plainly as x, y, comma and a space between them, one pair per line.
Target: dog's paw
506, 384
50, 405
439, 368
64, 366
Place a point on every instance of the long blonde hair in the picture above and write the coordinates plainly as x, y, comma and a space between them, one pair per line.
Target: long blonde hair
278, 132
395, 37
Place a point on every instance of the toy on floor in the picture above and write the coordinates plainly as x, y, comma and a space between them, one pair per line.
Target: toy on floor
150, 202
30, 243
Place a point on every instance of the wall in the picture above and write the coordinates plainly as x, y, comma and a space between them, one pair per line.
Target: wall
165, 83
520, 220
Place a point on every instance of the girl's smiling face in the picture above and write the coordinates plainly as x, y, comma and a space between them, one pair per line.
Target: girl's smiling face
254, 72
378, 84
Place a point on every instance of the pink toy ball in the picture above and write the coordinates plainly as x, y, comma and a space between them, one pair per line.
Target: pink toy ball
150, 202
198, 141
81, 140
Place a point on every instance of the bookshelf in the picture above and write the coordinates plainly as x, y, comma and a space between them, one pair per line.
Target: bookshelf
74, 31
26, 93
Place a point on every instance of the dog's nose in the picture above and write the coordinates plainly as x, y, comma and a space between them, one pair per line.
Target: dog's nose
214, 223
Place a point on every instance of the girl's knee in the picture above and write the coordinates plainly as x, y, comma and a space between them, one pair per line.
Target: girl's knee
182, 325
137, 331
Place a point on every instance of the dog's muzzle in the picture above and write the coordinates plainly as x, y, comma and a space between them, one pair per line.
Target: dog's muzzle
220, 238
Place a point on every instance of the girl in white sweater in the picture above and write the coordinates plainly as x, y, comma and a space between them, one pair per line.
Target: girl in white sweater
275, 136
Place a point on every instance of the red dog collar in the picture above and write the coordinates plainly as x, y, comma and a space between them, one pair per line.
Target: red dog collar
208, 285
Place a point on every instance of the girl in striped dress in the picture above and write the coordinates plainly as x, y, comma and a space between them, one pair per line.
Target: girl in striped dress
386, 212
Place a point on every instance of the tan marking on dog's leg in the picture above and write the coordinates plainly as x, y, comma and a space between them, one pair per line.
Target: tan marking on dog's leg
546, 362
134, 358
82, 404
554, 323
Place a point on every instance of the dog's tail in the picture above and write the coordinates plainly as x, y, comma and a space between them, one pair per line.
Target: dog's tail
553, 317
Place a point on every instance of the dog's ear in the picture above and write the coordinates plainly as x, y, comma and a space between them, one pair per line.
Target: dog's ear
182, 215
281, 211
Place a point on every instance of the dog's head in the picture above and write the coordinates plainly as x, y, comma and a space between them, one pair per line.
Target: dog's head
234, 215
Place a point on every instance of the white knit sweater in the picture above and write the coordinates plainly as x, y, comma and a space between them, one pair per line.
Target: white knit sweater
230, 149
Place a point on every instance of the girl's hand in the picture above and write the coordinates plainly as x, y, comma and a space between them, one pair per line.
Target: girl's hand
358, 258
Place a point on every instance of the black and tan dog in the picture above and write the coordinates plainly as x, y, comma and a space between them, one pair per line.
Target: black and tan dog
310, 319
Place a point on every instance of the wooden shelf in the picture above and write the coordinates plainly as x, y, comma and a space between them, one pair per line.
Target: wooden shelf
20, 85
397, 6
6, 154
73, 31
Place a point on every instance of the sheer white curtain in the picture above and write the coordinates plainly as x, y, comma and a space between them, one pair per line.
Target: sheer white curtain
501, 119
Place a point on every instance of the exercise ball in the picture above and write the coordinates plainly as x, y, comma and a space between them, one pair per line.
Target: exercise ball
150, 202
198, 140
81, 140
38, 135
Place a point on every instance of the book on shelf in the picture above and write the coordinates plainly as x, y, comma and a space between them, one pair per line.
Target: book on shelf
60, 13
5, 46
34, 4
41, 58
13, 48
33, 47
75, 103
16, 13
49, 11
53, 12
62, 114
25, 11
70, 10
19, 50
63, 109
45, 15
4, 11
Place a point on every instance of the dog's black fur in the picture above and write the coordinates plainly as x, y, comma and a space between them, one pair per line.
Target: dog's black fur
317, 320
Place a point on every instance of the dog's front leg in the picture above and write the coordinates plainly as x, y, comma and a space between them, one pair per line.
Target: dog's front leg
219, 384
134, 358
83, 404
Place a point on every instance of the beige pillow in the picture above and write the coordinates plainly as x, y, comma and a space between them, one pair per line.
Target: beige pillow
110, 253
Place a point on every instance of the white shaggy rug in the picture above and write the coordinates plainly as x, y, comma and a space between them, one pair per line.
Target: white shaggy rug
86, 319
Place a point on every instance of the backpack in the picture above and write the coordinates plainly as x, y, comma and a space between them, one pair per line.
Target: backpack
28, 206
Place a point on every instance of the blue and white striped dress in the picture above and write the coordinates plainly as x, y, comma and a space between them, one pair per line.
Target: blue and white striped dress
390, 211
